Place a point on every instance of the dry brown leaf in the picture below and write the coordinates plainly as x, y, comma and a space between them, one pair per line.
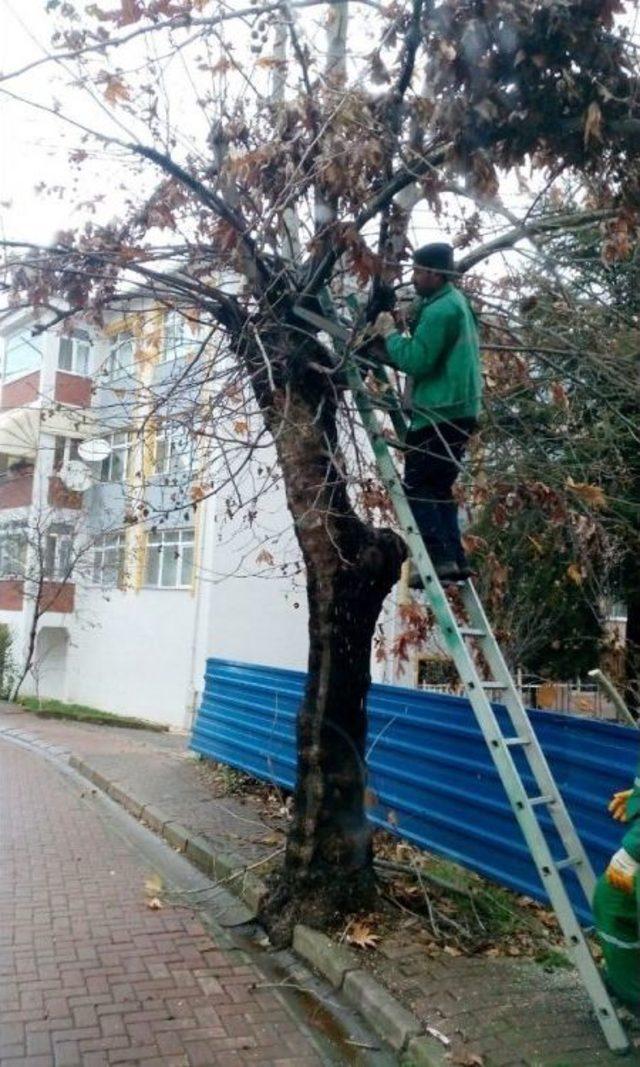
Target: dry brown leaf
264, 556
574, 572
155, 904
362, 936
115, 91
590, 494
593, 124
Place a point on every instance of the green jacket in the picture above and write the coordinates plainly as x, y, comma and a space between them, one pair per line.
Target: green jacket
631, 840
443, 358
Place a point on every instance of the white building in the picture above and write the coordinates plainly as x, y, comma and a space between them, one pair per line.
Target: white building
138, 579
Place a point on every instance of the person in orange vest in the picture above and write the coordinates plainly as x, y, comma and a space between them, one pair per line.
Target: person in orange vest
616, 902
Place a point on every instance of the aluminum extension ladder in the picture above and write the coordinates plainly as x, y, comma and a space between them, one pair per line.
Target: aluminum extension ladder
479, 691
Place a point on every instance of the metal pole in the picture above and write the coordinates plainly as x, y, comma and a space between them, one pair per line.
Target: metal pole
609, 688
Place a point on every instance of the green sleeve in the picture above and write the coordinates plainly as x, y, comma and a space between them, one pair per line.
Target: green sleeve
417, 355
631, 840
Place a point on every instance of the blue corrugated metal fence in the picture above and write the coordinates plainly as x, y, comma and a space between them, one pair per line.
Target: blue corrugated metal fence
431, 774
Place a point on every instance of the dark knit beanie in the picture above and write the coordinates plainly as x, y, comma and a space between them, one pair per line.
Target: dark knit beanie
438, 257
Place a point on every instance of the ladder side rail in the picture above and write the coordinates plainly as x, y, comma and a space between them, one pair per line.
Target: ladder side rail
534, 754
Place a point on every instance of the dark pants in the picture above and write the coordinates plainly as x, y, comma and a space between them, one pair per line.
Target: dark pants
431, 466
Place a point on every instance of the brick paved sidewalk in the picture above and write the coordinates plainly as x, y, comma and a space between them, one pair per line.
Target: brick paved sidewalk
89, 974
511, 1012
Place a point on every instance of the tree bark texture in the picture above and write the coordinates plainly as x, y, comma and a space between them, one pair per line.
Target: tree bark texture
632, 641
351, 567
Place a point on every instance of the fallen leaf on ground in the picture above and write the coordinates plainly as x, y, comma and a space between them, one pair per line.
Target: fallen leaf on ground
273, 839
153, 885
590, 494
468, 1059
362, 935
155, 904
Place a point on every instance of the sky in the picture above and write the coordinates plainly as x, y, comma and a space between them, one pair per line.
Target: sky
34, 146
31, 150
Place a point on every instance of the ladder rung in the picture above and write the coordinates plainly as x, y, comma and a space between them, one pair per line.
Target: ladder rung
511, 742
495, 685
469, 631
570, 861
537, 801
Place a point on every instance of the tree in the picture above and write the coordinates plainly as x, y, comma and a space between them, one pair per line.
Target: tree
564, 437
46, 555
297, 172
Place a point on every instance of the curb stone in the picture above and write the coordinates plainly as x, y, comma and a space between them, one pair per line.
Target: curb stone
338, 964
425, 1052
393, 1022
155, 818
333, 961
200, 854
176, 835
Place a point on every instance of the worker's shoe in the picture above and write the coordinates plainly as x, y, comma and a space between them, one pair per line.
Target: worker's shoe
447, 571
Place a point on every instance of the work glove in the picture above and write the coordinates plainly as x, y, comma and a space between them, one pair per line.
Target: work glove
622, 871
618, 805
384, 324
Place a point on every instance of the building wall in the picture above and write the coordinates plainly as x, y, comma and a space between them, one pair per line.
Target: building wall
140, 651
72, 389
22, 391
131, 653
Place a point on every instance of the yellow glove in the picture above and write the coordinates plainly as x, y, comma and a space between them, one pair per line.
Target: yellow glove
618, 805
622, 871
385, 324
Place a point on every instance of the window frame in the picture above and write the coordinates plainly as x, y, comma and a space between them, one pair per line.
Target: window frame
107, 464
69, 452
112, 370
162, 540
109, 542
52, 569
33, 343
13, 533
76, 339
184, 339
174, 462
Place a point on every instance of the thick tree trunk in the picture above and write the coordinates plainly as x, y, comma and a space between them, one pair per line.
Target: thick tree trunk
328, 865
632, 643
351, 568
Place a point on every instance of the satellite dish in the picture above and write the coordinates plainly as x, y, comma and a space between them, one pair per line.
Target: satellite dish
76, 476
94, 450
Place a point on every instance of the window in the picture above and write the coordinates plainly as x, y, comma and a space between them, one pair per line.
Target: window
114, 467
180, 335
57, 553
65, 449
174, 450
13, 551
73, 352
108, 560
23, 353
169, 559
121, 355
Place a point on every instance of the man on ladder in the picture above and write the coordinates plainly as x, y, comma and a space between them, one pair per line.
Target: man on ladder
442, 357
